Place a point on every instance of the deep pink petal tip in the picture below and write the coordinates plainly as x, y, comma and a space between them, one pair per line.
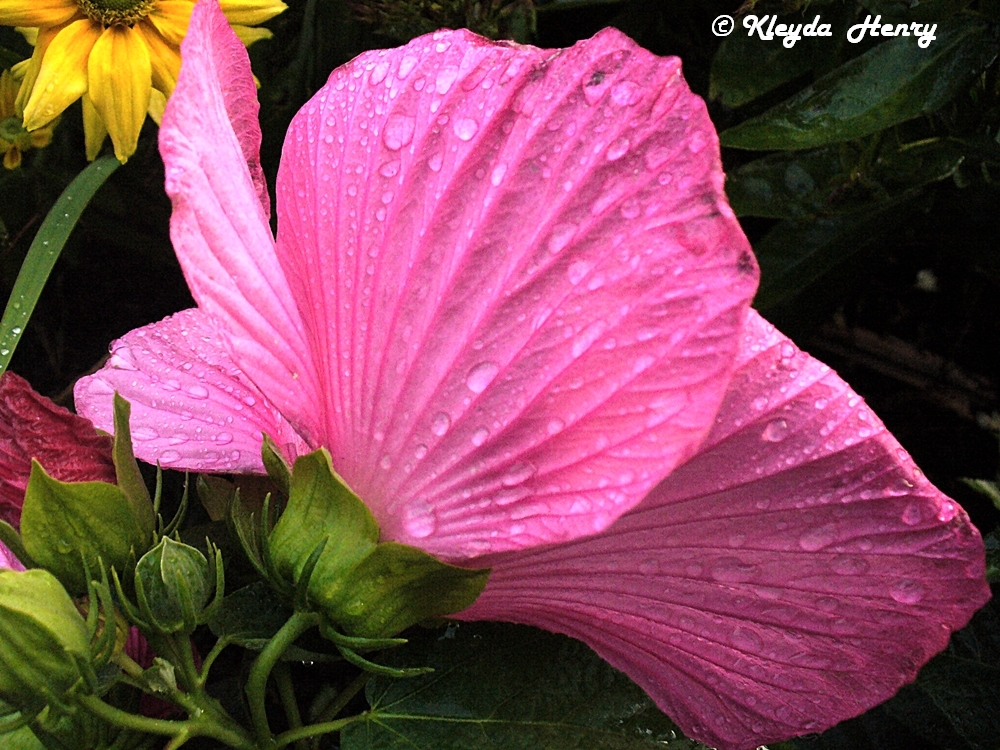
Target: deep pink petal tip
796, 572
66, 445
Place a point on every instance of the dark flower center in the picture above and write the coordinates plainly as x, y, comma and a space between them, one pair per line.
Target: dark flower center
116, 12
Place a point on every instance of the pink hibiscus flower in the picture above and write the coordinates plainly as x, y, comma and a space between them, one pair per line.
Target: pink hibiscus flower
509, 297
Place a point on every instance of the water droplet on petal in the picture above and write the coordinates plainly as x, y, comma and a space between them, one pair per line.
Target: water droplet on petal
419, 519
849, 565
496, 177
169, 457
817, 539
775, 431
555, 426
386, 461
481, 376
420, 451
440, 424
479, 436
912, 514
465, 128
649, 567
948, 511
144, 433
561, 235
517, 474
398, 131
389, 169
746, 639
198, 391
617, 149
907, 591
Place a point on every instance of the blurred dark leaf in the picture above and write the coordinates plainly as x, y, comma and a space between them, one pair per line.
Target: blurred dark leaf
891, 83
797, 252
510, 687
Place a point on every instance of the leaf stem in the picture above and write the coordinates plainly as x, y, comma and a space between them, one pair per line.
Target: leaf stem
256, 686
283, 681
313, 730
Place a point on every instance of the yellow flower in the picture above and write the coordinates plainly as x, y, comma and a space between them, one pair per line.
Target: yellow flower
14, 139
122, 57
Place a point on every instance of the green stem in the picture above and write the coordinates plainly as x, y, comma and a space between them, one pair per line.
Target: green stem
204, 725
343, 698
256, 686
313, 730
206, 665
283, 681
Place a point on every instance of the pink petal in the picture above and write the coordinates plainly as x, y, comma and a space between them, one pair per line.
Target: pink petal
7, 559
795, 573
220, 225
192, 407
520, 279
31, 426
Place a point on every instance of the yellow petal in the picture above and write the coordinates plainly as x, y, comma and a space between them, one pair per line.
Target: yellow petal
157, 105
164, 58
30, 34
171, 17
94, 131
62, 76
250, 34
12, 158
120, 80
251, 12
36, 12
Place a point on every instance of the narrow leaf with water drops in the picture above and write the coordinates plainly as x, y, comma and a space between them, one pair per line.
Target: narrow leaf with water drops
45, 251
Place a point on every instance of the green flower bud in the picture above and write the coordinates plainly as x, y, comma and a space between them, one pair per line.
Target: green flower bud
43, 638
173, 583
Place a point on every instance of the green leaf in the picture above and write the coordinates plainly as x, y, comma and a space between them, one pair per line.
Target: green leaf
250, 616
507, 687
45, 250
891, 83
796, 253
127, 470
64, 521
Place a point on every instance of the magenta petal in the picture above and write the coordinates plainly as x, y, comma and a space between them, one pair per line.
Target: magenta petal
31, 426
219, 225
192, 407
8, 561
796, 572
520, 279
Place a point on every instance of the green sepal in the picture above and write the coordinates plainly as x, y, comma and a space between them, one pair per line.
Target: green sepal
43, 640
325, 547
70, 527
173, 584
127, 470
275, 464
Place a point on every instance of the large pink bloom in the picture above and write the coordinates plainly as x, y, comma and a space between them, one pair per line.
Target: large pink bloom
509, 297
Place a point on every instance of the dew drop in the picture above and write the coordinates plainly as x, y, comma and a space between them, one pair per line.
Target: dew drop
198, 391
648, 567
419, 520
496, 177
907, 591
617, 149
912, 514
731, 570
389, 169
435, 161
561, 235
398, 131
518, 473
578, 270
817, 539
948, 511
479, 436
386, 461
849, 565
440, 424
746, 639
170, 457
144, 433
481, 376
775, 431
555, 426
421, 451
465, 128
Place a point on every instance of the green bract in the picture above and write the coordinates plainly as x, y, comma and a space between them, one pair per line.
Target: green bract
43, 638
325, 546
